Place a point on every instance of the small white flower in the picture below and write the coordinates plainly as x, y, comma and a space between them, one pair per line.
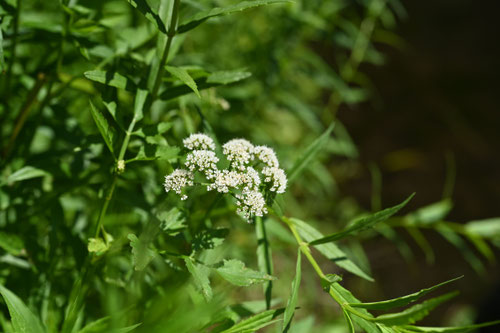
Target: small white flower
199, 141
267, 156
177, 180
204, 161
224, 180
251, 203
250, 179
120, 166
239, 152
277, 177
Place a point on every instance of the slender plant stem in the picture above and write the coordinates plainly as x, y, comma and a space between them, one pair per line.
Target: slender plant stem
171, 32
264, 257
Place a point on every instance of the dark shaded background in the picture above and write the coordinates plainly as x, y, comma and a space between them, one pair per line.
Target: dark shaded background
437, 97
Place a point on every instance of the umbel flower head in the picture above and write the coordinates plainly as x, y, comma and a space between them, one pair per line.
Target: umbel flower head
253, 176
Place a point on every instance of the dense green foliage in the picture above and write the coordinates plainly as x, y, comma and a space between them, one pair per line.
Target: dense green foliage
96, 99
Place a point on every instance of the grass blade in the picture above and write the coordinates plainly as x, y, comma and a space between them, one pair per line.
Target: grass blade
401, 301
363, 223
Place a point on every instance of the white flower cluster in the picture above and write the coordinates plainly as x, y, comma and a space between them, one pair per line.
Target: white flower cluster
241, 178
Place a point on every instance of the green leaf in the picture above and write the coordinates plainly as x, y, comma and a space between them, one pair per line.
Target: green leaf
2, 60
213, 80
141, 254
235, 272
488, 228
256, 322
201, 17
330, 250
108, 131
140, 100
200, 278
348, 319
103, 325
209, 238
11, 243
461, 329
292, 300
148, 12
112, 79
363, 223
401, 301
148, 152
172, 221
308, 155
184, 76
414, 313
23, 320
431, 213
24, 173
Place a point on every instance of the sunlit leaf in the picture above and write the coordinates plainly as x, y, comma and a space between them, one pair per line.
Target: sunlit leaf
256, 322
149, 13
200, 278
184, 76
23, 320
112, 79
235, 272
27, 172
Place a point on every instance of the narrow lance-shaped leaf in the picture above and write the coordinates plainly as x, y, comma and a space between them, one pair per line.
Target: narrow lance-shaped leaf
292, 300
414, 313
108, 132
149, 13
25, 173
235, 272
256, 322
330, 250
348, 320
363, 223
23, 320
308, 155
460, 329
184, 76
401, 301
488, 228
200, 278
112, 79
140, 100
201, 17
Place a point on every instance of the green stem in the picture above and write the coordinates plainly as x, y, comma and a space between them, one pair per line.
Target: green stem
172, 30
264, 257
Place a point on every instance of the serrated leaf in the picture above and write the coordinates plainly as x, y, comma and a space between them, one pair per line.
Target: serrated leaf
11, 243
308, 155
461, 329
27, 172
112, 79
255, 322
141, 253
414, 313
184, 76
149, 13
108, 132
23, 320
292, 300
200, 278
212, 80
209, 238
401, 301
330, 250
201, 17
235, 272
172, 221
363, 223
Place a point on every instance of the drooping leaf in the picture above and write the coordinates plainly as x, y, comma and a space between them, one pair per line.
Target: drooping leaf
363, 223
149, 13
23, 320
330, 250
348, 320
308, 155
400, 301
112, 79
200, 278
201, 17
294, 295
209, 238
107, 131
460, 329
141, 253
24, 173
256, 322
235, 272
212, 80
414, 313
184, 76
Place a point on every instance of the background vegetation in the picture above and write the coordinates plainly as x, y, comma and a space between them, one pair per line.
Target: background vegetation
77, 74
